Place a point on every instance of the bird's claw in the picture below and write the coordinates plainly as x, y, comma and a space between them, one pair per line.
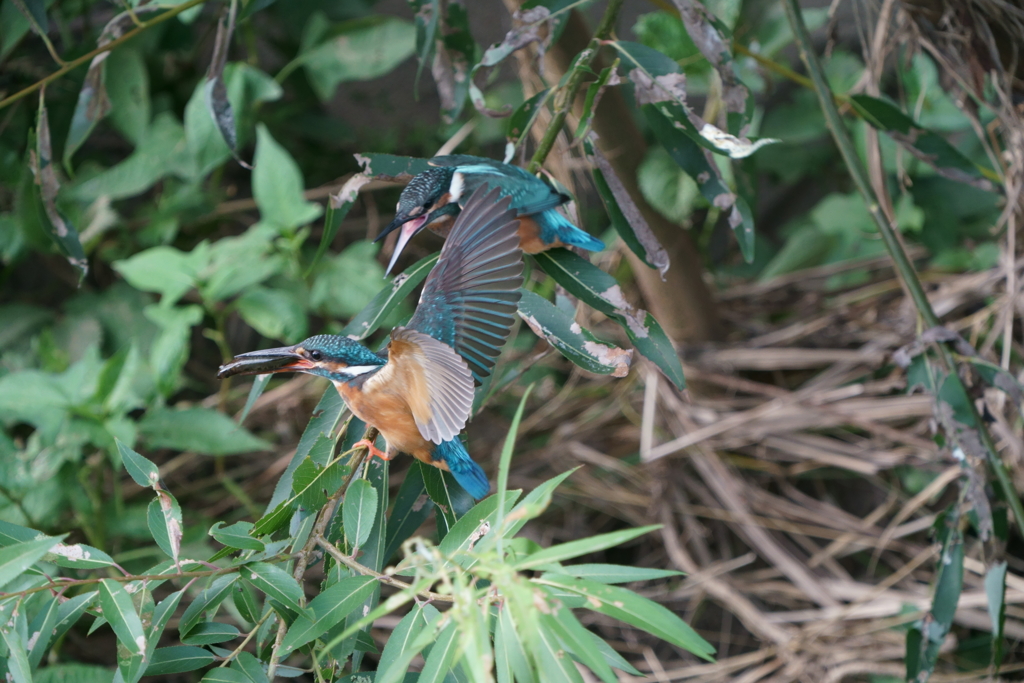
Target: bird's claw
369, 445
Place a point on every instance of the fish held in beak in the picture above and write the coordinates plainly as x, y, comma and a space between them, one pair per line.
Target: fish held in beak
267, 361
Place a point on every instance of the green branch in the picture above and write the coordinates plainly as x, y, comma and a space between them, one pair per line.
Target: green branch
889, 237
98, 51
580, 69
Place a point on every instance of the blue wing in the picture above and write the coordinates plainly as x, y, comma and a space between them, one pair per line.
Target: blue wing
529, 193
469, 300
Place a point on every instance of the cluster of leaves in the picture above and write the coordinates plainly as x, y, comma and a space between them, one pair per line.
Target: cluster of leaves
510, 602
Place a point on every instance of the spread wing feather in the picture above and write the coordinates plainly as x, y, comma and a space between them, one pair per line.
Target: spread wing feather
437, 382
529, 193
469, 300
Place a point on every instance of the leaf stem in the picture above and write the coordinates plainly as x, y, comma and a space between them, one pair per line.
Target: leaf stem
891, 240
582, 67
245, 641
341, 558
87, 57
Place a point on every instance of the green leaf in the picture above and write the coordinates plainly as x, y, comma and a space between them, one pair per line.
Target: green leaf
164, 270
373, 315
510, 655
73, 673
78, 556
275, 582
223, 675
255, 392
924, 144
211, 633
178, 659
17, 557
410, 636
277, 185
475, 523
359, 511
238, 535
440, 486
198, 429
251, 667
119, 611
274, 520
127, 83
207, 601
439, 660
69, 612
247, 602
93, 104
141, 469
12, 533
576, 639
164, 519
324, 420
593, 544
601, 291
42, 627
524, 115
574, 342
950, 581
348, 282
411, 509
995, 592
314, 484
356, 50
338, 206
327, 610
391, 167
18, 666
615, 573
627, 606
557, 665
274, 313
532, 504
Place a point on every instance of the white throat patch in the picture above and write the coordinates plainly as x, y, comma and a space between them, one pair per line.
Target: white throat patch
457, 186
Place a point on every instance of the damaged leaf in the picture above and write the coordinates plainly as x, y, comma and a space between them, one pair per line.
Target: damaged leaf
338, 206
929, 147
521, 120
454, 53
529, 26
165, 524
41, 161
624, 213
427, 14
600, 290
215, 91
609, 76
574, 342
391, 167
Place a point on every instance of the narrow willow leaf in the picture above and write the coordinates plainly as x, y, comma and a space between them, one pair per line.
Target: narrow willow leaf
78, 556
441, 657
510, 655
373, 550
522, 119
633, 609
246, 602
18, 666
405, 642
475, 524
367, 321
532, 504
359, 512
251, 667
224, 675
208, 600
41, 631
557, 665
238, 535
164, 518
142, 470
119, 611
450, 500
178, 659
614, 573
71, 611
254, 393
17, 557
275, 583
601, 291
61, 229
92, 106
609, 76
577, 344
411, 509
593, 544
576, 639
327, 610
211, 633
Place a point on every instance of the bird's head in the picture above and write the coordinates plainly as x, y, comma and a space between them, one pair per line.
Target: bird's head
337, 358
421, 203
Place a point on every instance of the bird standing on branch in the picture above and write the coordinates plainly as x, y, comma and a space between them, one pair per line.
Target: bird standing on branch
418, 392
433, 198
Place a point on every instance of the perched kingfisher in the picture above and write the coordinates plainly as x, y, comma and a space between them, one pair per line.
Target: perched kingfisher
418, 392
433, 198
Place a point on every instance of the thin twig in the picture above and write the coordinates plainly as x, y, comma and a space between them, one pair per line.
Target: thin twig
87, 57
245, 641
333, 551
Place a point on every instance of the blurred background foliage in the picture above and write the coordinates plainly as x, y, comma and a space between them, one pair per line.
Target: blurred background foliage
193, 257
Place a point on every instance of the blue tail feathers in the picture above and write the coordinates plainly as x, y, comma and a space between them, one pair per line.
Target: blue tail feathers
554, 226
469, 475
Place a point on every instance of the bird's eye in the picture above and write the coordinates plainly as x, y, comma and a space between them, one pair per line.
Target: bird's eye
316, 355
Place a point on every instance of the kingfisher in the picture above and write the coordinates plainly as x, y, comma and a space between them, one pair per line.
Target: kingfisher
418, 391
433, 198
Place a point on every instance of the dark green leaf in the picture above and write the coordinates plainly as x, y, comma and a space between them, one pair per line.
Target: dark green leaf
411, 509
525, 114
631, 608
359, 511
275, 519
572, 341
615, 573
224, 675
93, 104
211, 633
207, 601
601, 291
178, 659
576, 639
338, 206
35, 12
327, 610
71, 611
275, 582
238, 535
251, 667
119, 611
198, 429
314, 484
995, 592
17, 557
246, 602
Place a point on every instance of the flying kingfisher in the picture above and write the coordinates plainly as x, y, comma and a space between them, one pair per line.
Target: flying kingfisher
418, 391
434, 197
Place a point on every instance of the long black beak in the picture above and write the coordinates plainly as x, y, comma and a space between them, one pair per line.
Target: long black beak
284, 359
398, 222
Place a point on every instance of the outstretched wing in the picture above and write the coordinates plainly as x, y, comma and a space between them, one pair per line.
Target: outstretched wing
470, 297
435, 381
529, 193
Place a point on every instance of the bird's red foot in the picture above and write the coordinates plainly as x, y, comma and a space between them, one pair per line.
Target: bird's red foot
368, 445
